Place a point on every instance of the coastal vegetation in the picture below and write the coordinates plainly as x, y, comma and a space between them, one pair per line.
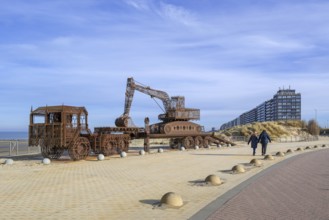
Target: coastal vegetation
276, 129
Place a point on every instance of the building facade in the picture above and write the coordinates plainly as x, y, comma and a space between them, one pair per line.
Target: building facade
285, 105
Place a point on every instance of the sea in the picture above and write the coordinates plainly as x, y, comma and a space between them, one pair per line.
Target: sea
13, 135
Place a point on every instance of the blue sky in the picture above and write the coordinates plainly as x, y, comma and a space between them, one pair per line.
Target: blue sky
224, 56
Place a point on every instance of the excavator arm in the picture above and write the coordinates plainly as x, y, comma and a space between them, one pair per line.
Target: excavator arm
174, 107
163, 96
124, 120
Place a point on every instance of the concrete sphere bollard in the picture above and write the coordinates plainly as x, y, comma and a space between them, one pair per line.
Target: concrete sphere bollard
182, 148
46, 161
280, 154
324, 145
299, 149
100, 157
9, 162
172, 199
289, 151
238, 169
142, 152
219, 146
213, 180
255, 162
307, 148
196, 147
316, 146
123, 154
160, 150
268, 157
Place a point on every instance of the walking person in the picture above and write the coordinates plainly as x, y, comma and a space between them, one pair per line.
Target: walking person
254, 141
264, 138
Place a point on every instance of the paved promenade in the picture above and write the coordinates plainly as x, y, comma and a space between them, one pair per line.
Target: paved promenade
297, 188
131, 188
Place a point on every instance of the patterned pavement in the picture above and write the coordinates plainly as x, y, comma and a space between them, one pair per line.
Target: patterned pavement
131, 188
297, 188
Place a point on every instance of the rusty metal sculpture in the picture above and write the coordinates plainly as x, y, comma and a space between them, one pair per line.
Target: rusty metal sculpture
175, 123
59, 128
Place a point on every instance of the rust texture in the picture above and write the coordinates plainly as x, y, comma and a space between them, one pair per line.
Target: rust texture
59, 128
175, 120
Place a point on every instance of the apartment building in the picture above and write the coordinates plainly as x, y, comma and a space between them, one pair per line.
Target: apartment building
285, 105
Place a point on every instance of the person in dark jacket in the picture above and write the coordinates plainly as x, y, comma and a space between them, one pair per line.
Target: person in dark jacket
254, 141
264, 138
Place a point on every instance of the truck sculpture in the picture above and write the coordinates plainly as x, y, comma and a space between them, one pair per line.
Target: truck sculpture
62, 127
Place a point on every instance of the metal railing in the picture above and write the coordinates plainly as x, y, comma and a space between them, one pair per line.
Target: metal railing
17, 147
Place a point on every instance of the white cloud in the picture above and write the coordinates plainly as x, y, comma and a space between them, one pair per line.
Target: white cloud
223, 63
177, 14
139, 4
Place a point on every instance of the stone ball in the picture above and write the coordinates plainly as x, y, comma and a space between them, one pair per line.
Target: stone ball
9, 161
182, 148
268, 157
289, 151
307, 148
160, 150
100, 157
280, 154
219, 146
142, 152
46, 161
238, 169
299, 149
213, 180
196, 147
316, 146
324, 145
123, 154
172, 199
256, 162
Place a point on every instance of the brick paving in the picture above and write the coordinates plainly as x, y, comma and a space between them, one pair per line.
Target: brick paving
297, 188
126, 188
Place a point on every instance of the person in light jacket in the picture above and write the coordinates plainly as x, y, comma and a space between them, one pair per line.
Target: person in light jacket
254, 141
264, 138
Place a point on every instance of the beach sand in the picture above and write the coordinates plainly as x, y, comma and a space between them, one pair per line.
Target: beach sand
128, 188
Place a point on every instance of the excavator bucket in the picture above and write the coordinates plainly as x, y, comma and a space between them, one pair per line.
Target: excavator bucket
124, 121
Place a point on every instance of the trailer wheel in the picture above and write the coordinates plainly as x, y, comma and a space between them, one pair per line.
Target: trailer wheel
198, 141
126, 148
188, 142
174, 142
123, 145
108, 147
48, 150
80, 149
207, 141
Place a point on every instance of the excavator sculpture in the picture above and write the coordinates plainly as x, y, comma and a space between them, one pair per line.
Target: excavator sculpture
175, 121
175, 118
